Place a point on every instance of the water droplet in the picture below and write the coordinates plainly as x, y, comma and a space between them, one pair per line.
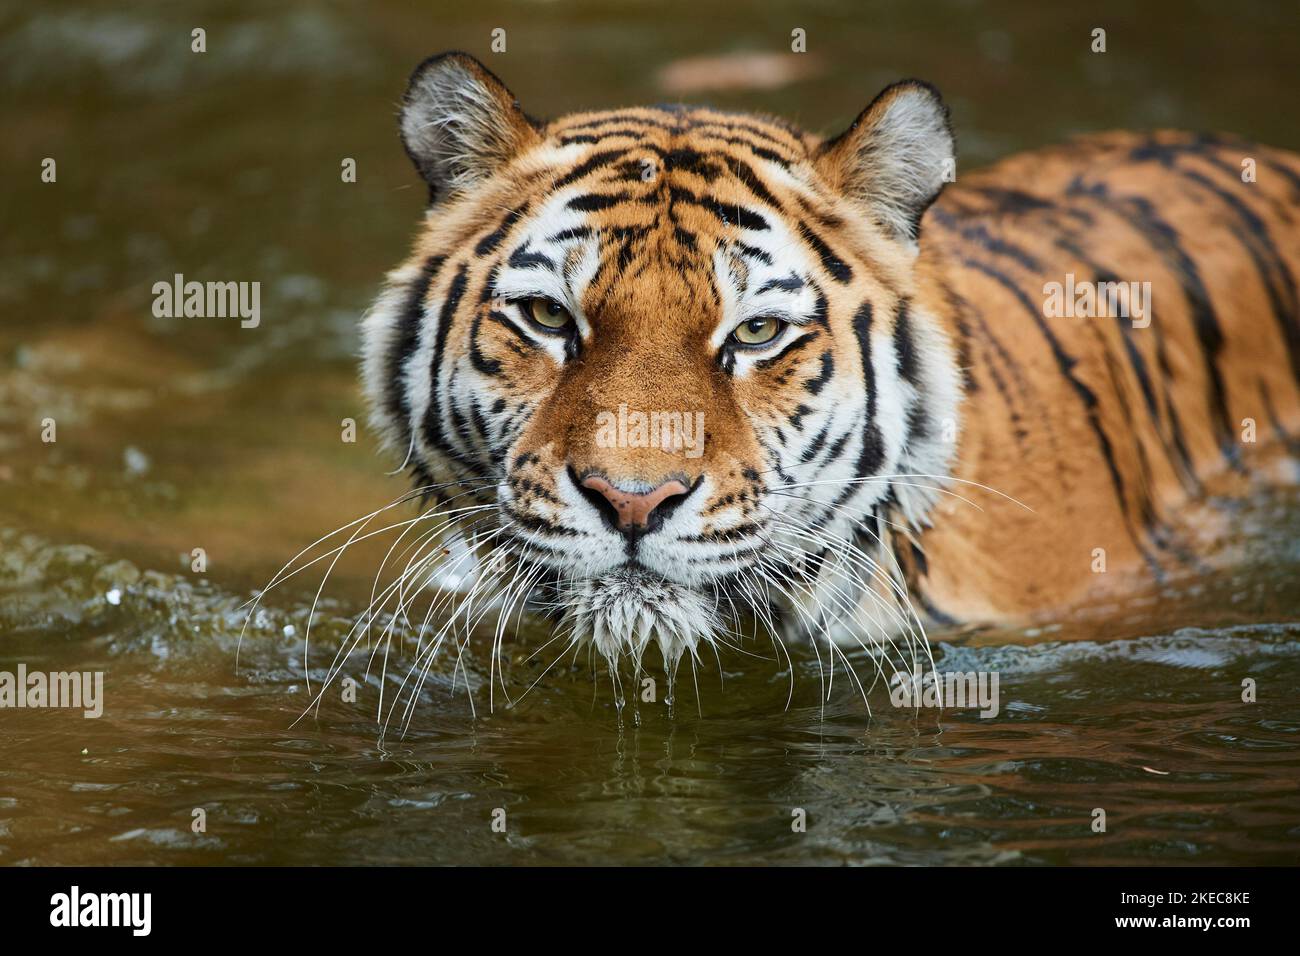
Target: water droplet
136, 461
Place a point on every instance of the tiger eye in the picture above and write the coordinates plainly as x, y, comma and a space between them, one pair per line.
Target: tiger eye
757, 331
548, 314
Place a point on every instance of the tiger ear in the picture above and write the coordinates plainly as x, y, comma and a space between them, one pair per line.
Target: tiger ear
460, 124
895, 158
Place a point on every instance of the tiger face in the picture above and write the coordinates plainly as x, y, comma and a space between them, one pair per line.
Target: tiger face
668, 363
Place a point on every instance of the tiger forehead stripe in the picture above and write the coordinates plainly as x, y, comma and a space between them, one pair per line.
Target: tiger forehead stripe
635, 162
677, 118
784, 148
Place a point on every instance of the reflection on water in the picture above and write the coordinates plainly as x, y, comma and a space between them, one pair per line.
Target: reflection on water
178, 434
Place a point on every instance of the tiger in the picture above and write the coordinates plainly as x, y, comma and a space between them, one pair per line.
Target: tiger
894, 429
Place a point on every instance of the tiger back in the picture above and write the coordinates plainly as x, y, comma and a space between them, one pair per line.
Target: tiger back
1109, 423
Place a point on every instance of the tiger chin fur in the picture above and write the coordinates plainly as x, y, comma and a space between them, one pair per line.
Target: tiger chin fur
913, 364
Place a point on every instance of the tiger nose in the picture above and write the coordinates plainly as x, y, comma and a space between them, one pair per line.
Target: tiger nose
632, 510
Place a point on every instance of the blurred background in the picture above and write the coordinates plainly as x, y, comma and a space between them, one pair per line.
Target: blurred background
175, 434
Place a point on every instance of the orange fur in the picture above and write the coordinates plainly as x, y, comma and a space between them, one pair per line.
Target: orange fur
1169, 208
1106, 430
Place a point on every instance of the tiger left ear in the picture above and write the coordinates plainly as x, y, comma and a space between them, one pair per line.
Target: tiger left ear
895, 158
460, 124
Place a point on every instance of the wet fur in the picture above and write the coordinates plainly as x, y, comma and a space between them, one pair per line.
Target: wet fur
829, 498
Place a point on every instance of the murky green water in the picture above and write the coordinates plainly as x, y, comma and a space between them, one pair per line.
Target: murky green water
181, 434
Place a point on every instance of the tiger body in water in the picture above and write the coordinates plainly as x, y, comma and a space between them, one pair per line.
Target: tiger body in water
901, 425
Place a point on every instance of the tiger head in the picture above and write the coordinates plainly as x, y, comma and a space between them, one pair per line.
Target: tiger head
672, 366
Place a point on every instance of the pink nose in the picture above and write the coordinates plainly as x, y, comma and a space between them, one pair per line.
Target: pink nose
634, 510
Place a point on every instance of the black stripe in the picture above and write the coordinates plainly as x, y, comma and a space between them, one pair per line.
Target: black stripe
873, 450
736, 215
406, 340
1065, 364
593, 202
960, 314
522, 259
703, 124
633, 171
745, 173
577, 232
791, 283
979, 234
994, 349
1290, 441
602, 136
493, 239
1161, 236
1179, 458
504, 321
837, 267
482, 364
727, 214
692, 161
815, 445
481, 426
460, 433
1289, 174
872, 453
904, 347
1142, 489
433, 430
1278, 282
761, 152
837, 447
753, 252
620, 116
597, 160
737, 533
815, 385
918, 423
821, 315
940, 618
1014, 201
539, 525
794, 345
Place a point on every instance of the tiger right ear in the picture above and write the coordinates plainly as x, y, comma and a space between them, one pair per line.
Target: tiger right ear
460, 124
895, 158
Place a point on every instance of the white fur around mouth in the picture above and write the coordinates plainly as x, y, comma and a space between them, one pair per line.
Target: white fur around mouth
622, 612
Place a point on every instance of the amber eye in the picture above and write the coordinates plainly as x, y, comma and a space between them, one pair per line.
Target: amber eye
547, 314
758, 331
